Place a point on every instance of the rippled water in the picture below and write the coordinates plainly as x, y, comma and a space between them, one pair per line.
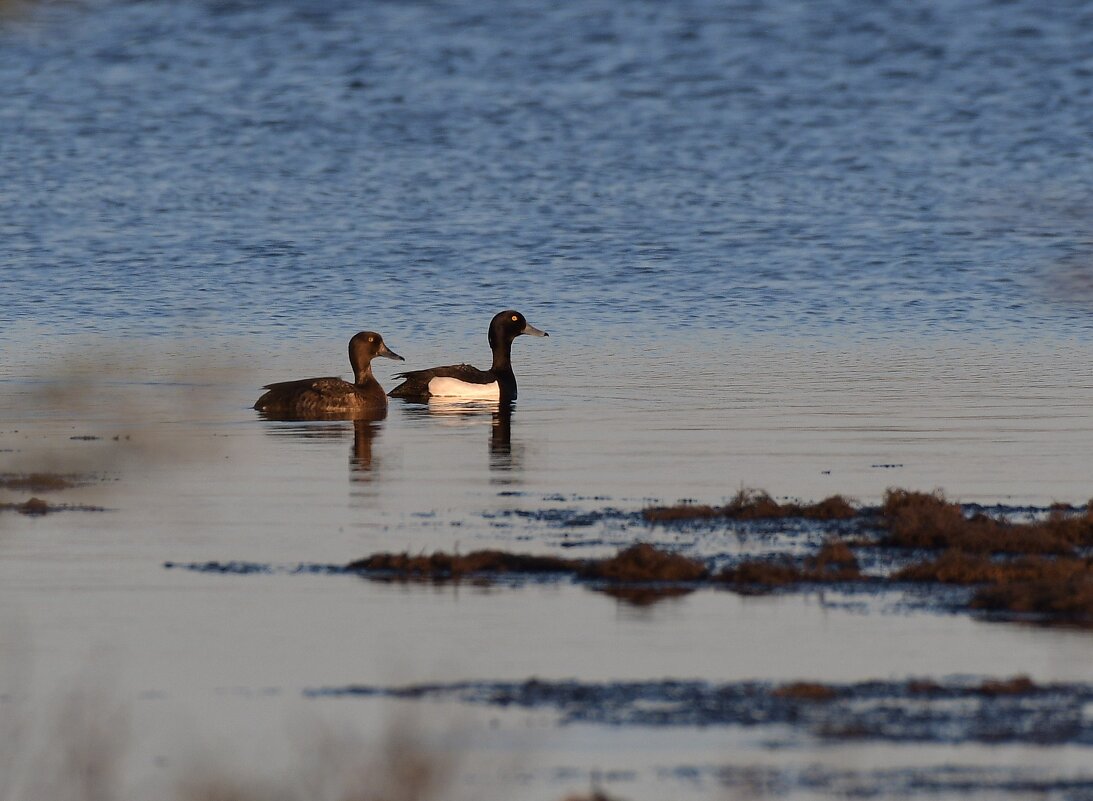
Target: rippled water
809, 247
850, 170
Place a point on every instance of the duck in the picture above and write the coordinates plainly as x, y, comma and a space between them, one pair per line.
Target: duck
327, 398
462, 381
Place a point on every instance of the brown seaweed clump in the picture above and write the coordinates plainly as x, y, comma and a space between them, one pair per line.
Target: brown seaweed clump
928, 520
645, 563
1057, 589
37, 482
806, 691
642, 563
33, 507
1023, 569
1018, 685
957, 567
834, 562
753, 505
443, 566
1063, 600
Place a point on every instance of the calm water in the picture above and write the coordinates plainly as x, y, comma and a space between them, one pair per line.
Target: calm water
813, 248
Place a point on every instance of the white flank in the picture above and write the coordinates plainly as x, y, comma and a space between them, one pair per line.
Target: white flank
454, 388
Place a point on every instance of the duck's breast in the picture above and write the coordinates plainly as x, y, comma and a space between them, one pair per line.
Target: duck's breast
447, 387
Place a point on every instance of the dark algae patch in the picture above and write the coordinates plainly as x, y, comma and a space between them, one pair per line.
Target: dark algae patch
950, 710
36, 507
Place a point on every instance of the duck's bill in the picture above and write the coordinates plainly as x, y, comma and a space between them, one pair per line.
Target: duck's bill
533, 331
390, 354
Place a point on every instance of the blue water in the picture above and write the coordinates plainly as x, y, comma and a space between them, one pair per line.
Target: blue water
849, 171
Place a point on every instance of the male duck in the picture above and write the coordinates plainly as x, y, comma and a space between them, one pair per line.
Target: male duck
325, 398
463, 381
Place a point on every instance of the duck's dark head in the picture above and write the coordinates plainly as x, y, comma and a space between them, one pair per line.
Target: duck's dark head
364, 347
508, 325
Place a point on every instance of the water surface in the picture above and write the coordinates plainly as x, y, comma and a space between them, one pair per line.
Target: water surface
807, 248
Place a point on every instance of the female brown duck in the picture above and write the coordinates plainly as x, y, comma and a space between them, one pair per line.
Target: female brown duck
332, 398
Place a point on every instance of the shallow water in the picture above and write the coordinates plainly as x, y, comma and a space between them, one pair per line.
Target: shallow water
808, 249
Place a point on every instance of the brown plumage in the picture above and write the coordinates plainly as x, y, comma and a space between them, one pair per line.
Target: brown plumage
332, 398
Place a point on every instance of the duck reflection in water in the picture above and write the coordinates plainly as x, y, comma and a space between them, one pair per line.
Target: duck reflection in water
501, 453
360, 460
362, 463
504, 456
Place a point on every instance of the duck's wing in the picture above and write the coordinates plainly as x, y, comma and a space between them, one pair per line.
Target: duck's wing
318, 384
287, 393
415, 383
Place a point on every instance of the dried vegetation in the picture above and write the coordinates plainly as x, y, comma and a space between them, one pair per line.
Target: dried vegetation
441, 566
636, 564
645, 563
1032, 568
928, 520
751, 504
1036, 568
834, 562
806, 691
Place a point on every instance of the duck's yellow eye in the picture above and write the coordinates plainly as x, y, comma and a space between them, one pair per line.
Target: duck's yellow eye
515, 318
371, 339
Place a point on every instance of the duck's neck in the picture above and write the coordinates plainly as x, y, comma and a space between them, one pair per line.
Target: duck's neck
502, 368
502, 356
362, 375
368, 388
